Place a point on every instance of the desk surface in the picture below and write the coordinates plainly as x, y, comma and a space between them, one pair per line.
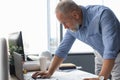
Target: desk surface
62, 75
66, 75
72, 75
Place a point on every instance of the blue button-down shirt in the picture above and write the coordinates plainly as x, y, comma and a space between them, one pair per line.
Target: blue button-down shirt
100, 29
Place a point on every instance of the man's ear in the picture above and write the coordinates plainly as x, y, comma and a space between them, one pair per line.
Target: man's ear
75, 14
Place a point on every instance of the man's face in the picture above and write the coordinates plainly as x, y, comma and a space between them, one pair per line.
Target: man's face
69, 22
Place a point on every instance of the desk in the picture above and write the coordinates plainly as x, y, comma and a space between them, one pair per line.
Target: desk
72, 75
65, 75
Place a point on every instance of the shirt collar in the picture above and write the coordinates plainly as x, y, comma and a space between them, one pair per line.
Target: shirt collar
84, 12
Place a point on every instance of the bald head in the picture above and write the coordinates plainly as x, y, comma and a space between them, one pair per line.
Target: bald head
66, 6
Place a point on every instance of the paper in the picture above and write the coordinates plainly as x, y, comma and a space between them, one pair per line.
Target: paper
71, 75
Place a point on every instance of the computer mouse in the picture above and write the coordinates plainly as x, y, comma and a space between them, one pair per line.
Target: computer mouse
38, 77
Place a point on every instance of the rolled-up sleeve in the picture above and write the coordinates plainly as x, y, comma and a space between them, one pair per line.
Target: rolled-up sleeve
110, 34
65, 45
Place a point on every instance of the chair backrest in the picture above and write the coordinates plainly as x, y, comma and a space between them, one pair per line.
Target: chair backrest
3, 60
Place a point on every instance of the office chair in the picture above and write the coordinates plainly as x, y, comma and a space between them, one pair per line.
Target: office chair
3, 60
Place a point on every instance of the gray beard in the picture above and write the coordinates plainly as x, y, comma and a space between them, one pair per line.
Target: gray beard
75, 29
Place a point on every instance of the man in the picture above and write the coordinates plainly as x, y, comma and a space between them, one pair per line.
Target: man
95, 25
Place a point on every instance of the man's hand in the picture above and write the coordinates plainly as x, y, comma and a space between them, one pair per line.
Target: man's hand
41, 74
53, 66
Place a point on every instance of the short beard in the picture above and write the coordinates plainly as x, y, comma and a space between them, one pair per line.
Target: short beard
76, 28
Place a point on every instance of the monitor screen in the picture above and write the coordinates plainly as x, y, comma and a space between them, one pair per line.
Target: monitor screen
15, 42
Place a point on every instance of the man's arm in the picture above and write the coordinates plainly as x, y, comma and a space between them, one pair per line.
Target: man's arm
105, 71
55, 64
106, 68
110, 33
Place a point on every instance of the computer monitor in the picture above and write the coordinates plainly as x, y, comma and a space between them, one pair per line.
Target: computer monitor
15, 42
3, 59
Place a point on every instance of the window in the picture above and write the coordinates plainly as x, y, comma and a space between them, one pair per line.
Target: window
54, 27
28, 16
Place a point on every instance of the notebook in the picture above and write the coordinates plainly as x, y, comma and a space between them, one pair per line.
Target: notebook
65, 66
